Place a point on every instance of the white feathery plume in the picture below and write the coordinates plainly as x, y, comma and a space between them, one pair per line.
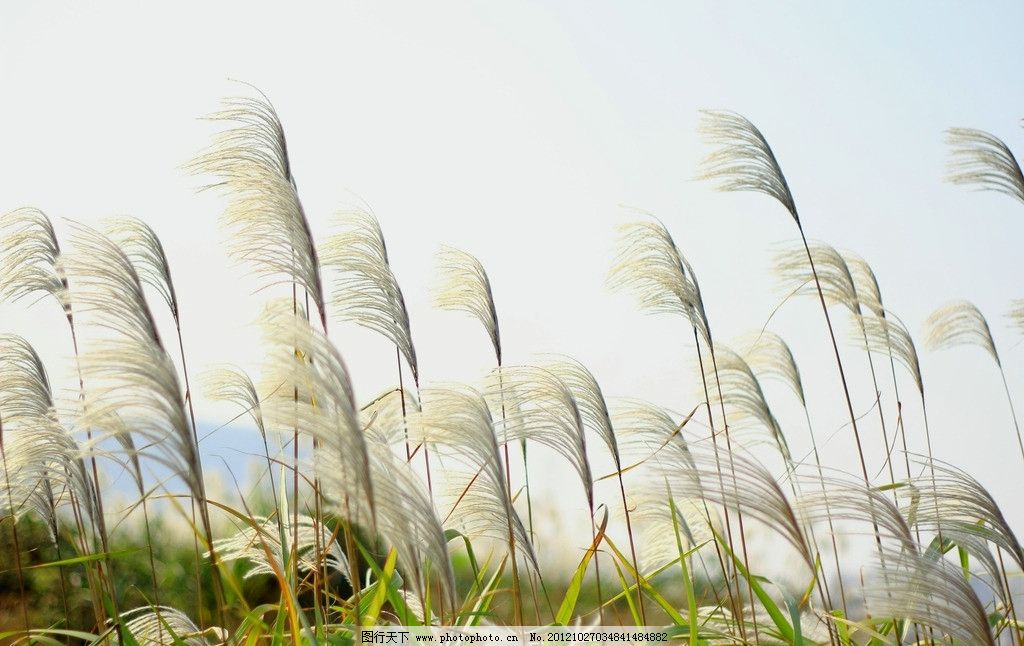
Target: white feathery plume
232, 384
384, 418
540, 408
959, 323
365, 290
834, 275
41, 461
268, 227
360, 479
593, 411
964, 508
657, 533
1016, 314
744, 400
769, 356
143, 248
107, 286
852, 509
457, 418
752, 488
406, 514
930, 592
829, 277
689, 470
649, 431
28, 256
260, 541
983, 161
888, 336
743, 160
407, 520
40, 456
650, 265
133, 388
133, 385
166, 626
309, 390
589, 399
865, 283
465, 287
962, 323
24, 385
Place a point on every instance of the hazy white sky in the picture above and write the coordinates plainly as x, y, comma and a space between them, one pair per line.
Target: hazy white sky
516, 131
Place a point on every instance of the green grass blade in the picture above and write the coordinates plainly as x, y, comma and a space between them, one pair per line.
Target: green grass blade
651, 591
565, 611
691, 599
772, 608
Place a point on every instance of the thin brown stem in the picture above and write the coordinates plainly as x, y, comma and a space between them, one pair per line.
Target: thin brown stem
99, 520
828, 515
516, 590
881, 413
14, 530
218, 585
597, 566
1008, 591
632, 543
842, 378
152, 565
1013, 413
729, 573
739, 507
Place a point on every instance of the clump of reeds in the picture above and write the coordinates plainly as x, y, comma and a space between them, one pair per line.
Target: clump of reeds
355, 532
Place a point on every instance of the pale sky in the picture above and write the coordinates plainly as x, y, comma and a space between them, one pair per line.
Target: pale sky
517, 131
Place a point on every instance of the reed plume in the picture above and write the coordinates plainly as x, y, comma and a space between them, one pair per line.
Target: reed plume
829, 270
40, 460
769, 357
962, 323
269, 231
754, 490
650, 265
143, 248
1016, 315
258, 544
465, 287
165, 626
388, 505
869, 294
961, 510
28, 256
931, 593
593, 409
406, 516
743, 161
302, 360
745, 401
365, 291
458, 418
129, 373
984, 162
651, 433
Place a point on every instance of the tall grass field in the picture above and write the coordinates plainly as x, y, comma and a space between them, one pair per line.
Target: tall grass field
718, 521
